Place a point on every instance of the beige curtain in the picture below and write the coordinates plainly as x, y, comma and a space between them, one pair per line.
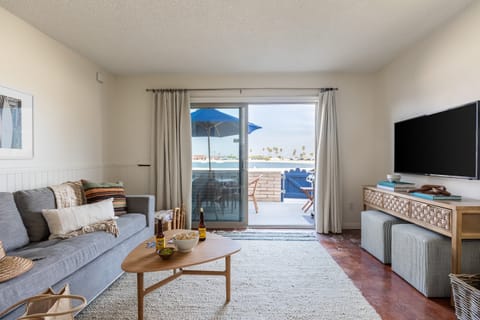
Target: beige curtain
173, 151
328, 214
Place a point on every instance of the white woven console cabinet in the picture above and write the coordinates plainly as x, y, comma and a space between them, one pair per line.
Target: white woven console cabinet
457, 220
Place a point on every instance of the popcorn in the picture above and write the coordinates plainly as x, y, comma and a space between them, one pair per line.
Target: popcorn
186, 235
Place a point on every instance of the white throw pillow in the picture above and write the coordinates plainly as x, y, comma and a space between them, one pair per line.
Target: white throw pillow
65, 220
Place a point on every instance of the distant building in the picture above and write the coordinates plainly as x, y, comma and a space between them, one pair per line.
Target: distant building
199, 157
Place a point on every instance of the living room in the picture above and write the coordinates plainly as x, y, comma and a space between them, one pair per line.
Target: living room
94, 122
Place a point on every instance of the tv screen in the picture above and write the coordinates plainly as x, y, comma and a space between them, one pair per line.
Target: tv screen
444, 143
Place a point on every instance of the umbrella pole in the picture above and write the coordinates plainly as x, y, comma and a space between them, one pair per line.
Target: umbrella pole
209, 160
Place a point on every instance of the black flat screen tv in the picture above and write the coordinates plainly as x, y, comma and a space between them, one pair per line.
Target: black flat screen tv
442, 144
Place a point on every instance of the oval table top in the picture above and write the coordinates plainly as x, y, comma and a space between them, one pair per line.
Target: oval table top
143, 259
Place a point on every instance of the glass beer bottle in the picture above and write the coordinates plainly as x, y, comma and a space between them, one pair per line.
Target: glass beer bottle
160, 242
202, 229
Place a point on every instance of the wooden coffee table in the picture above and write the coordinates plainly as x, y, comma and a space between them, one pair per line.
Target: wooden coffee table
143, 259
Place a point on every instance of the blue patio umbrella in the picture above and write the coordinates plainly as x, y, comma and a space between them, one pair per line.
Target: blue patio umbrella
207, 122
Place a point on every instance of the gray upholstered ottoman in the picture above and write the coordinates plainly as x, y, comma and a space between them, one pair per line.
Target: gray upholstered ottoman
423, 258
376, 233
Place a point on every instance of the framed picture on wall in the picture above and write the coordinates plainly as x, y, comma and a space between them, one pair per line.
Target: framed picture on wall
16, 124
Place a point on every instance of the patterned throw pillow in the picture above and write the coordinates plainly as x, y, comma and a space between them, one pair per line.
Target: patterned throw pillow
63, 221
95, 192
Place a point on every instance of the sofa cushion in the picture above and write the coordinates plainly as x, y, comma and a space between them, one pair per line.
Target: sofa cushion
30, 203
95, 192
57, 259
12, 231
65, 220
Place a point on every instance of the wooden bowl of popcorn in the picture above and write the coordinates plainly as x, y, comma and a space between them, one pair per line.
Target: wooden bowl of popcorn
186, 241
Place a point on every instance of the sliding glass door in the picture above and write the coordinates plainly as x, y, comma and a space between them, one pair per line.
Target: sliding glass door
219, 145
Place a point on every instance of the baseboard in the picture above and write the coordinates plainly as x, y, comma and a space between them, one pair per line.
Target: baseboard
351, 225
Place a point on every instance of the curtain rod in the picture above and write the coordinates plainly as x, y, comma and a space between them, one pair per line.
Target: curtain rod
241, 89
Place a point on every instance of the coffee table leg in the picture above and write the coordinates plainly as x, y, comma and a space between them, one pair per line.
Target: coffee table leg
227, 278
140, 295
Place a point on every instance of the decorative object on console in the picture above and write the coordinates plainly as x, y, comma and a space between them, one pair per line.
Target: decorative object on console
435, 189
436, 197
434, 192
397, 186
95, 192
11, 266
16, 124
393, 177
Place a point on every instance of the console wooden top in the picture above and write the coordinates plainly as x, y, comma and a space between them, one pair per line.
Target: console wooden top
458, 220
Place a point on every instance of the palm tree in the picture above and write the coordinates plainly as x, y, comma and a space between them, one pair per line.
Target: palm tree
270, 150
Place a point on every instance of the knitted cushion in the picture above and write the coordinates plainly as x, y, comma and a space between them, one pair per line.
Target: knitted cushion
423, 258
376, 234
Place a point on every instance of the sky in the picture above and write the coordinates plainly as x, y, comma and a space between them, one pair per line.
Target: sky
284, 126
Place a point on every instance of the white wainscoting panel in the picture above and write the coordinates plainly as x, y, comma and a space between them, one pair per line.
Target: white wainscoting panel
13, 179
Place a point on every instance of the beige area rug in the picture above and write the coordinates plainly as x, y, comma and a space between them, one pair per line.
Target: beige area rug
270, 280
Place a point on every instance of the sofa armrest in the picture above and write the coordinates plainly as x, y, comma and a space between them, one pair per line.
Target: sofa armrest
142, 204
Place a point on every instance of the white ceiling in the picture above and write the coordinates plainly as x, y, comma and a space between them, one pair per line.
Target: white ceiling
228, 36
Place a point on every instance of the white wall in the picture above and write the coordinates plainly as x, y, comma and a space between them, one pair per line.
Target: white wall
129, 126
440, 72
80, 125
68, 107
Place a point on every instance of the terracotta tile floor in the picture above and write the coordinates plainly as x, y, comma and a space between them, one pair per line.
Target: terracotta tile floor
390, 295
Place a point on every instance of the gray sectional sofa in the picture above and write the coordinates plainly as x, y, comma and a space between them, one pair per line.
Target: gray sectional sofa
88, 263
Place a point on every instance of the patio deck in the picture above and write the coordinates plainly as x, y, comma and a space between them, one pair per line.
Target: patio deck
286, 214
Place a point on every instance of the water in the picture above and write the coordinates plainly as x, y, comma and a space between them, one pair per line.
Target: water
255, 164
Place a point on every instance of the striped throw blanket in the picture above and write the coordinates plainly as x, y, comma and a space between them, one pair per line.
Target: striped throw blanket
68, 194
